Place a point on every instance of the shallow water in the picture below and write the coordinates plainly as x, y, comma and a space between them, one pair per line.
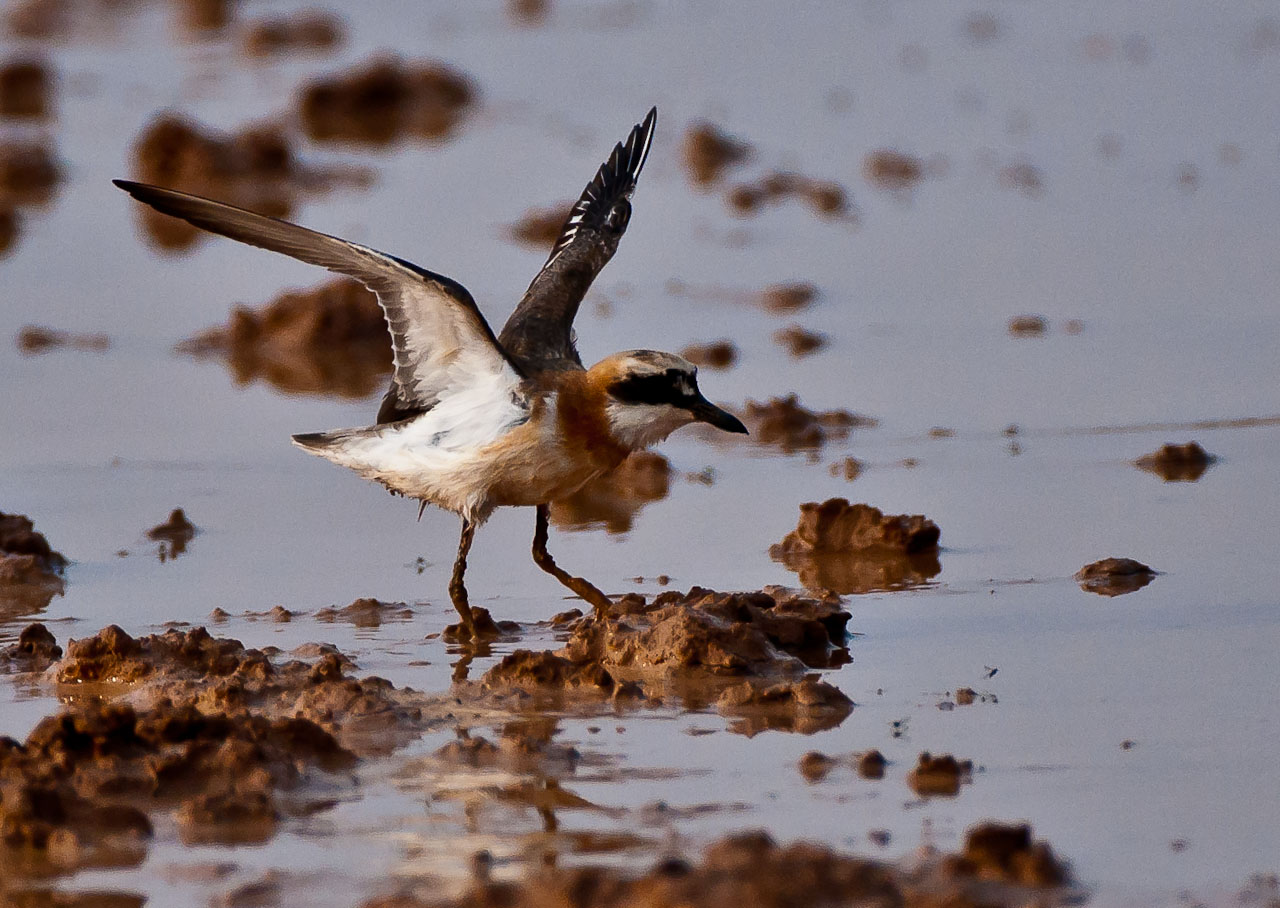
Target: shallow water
1173, 279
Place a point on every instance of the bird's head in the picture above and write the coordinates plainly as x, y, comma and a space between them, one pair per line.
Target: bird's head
651, 394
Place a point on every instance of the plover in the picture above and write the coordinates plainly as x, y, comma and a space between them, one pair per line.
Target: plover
473, 422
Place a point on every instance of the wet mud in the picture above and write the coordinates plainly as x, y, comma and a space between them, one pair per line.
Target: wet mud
799, 341
893, 170
1177, 462
366, 613
856, 548
255, 168
329, 340
384, 101
709, 152
613, 500
306, 32
173, 535
541, 227
999, 865
785, 423
26, 89
30, 570
1114, 576
939, 776
33, 340
825, 198
719, 354
1028, 325
29, 176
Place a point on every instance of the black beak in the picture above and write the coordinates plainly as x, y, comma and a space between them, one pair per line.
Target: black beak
704, 410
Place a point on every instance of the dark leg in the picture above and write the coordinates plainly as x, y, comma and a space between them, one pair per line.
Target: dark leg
457, 589
542, 558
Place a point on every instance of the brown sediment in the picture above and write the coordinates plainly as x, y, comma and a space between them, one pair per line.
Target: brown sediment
800, 341
709, 152
825, 197
1177, 463
366, 613
384, 100
998, 868
614, 499
528, 12
255, 168
966, 696
887, 169
36, 339
28, 173
941, 775
720, 354
541, 227
871, 765
35, 651
1028, 325
850, 468
788, 297
25, 87
786, 423
173, 535
201, 16
1114, 576
816, 766
30, 570
806, 706
331, 339
855, 548
303, 32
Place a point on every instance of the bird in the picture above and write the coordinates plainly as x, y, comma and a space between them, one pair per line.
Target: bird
474, 421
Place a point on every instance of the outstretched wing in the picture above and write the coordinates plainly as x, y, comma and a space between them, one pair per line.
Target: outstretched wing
440, 339
539, 334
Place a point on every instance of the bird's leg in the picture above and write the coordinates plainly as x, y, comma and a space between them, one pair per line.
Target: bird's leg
458, 589
542, 558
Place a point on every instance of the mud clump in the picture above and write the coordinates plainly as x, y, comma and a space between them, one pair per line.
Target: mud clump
749, 868
173, 535
614, 499
541, 672
1177, 463
254, 168
304, 32
826, 198
219, 675
708, 153
785, 423
30, 570
78, 791
541, 227
799, 341
816, 766
1028, 325
856, 548
385, 100
366, 613
850, 468
892, 170
807, 706
34, 340
331, 339
1008, 854
720, 354
8, 227
871, 765
1114, 576
28, 174
788, 297
939, 776
35, 650
25, 89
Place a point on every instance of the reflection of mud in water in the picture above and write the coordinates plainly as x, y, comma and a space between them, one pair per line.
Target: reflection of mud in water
614, 499
173, 535
331, 339
1177, 463
30, 570
1114, 576
855, 548
861, 572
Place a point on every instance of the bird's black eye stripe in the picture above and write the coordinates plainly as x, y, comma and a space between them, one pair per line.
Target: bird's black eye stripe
669, 387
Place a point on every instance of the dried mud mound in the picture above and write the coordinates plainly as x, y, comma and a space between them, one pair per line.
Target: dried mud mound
255, 168
30, 570
1177, 463
750, 654
386, 100
785, 423
220, 675
35, 651
1114, 576
366, 613
999, 866
614, 499
855, 548
331, 339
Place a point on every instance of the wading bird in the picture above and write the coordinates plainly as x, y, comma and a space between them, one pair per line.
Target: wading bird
473, 422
